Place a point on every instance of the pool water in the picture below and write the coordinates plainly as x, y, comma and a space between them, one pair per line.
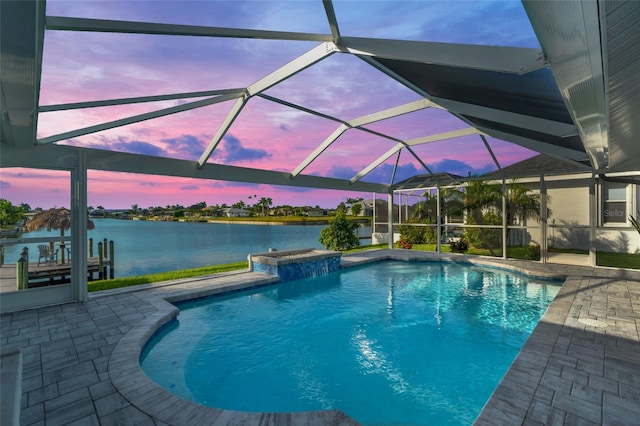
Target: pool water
387, 343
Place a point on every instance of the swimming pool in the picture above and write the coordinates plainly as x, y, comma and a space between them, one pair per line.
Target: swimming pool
391, 342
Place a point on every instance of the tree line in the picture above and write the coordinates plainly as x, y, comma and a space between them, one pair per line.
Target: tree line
10, 214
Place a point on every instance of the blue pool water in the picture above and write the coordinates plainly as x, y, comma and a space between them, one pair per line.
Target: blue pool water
388, 343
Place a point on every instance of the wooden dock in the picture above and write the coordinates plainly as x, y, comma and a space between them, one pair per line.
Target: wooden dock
44, 275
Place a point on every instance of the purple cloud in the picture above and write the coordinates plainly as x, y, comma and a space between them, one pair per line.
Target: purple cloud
186, 146
243, 184
459, 168
122, 144
140, 147
235, 152
383, 173
341, 172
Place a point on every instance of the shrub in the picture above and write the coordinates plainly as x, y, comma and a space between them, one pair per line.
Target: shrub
486, 238
413, 234
533, 252
340, 234
460, 246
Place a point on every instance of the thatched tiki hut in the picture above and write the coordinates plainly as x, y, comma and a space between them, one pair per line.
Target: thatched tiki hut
56, 218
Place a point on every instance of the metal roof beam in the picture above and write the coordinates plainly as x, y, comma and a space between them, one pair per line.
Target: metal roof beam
384, 157
443, 136
62, 23
355, 123
333, 22
516, 60
320, 149
136, 118
536, 145
140, 99
292, 68
537, 124
222, 130
392, 112
413, 142
493, 156
300, 63
62, 156
300, 108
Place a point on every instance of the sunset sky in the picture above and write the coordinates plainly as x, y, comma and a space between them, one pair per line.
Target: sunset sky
93, 66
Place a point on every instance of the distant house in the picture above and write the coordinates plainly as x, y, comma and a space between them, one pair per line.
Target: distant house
366, 208
316, 212
212, 211
234, 212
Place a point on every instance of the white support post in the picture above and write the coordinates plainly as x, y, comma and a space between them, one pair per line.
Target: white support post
593, 219
79, 229
406, 207
373, 222
504, 218
438, 221
543, 220
390, 218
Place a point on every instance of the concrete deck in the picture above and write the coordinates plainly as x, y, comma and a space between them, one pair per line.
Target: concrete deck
581, 365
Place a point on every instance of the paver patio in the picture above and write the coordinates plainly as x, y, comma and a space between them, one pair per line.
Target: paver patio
581, 365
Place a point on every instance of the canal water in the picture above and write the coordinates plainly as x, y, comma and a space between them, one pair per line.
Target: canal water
146, 247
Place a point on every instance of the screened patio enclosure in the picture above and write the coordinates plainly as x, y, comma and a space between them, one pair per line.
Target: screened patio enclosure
344, 100
566, 218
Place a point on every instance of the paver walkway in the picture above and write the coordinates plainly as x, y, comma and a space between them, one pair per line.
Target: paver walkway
81, 366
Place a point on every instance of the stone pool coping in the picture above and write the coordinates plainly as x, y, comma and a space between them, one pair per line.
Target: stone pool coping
132, 383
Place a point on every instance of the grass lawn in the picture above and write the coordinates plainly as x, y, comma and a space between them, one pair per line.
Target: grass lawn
287, 219
165, 276
607, 258
618, 260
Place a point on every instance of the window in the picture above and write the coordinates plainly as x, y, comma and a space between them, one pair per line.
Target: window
614, 209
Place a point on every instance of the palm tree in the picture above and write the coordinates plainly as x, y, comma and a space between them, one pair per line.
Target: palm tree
265, 203
9, 214
522, 204
479, 196
54, 219
483, 204
635, 222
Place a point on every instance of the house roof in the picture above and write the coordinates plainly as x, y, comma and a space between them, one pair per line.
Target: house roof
429, 181
536, 166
